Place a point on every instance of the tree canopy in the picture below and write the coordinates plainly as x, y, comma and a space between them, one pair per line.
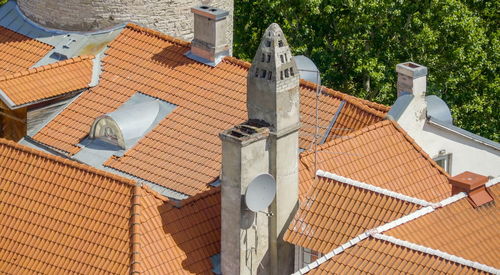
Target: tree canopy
357, 43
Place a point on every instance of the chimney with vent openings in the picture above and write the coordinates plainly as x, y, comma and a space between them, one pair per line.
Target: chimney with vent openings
412, 78
474, 185
209, 45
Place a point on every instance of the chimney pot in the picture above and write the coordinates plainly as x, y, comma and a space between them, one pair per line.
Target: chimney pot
474, 185
412, 78
209, 45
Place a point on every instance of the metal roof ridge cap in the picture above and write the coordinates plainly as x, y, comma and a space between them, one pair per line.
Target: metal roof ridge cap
96, 69
443, 125
437, 253
332, 253
373, 188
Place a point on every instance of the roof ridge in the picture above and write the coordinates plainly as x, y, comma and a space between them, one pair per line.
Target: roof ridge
157, 34
199, 196
347, 137
382, 228
373, 188
47, 67
418, 148
349, 98
135, 230
437, 253
238, 62
65, 161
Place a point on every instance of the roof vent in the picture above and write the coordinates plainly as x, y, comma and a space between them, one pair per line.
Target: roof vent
474, 185
209, 45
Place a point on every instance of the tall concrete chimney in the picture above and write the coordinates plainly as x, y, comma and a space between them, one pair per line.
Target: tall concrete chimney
412, 78
209, 45
245, 234
268, 142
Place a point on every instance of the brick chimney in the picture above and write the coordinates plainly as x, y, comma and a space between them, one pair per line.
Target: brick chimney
209, 45
412, 78
474, 185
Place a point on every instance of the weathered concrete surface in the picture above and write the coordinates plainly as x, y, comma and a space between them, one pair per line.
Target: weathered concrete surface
172, 17
244, 236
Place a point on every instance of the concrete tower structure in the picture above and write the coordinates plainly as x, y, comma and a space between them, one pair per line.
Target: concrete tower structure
171, 17
266, 143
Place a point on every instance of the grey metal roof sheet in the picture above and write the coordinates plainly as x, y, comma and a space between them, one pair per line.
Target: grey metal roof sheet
400, 106
307, 69
464, 133
438, 109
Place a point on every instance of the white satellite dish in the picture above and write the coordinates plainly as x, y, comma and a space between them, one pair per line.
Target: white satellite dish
260, 192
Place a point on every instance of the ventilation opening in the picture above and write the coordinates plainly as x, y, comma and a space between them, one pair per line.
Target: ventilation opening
291, 72
269, 75
263, 75
286, 73
281, 75
280, 43
282, 59
257, 72
286, 57
263, 58
268, 43
268, 58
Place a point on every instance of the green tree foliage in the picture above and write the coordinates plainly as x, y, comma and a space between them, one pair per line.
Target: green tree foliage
357, 44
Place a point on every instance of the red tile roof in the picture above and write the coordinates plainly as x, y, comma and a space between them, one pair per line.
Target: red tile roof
33, 85
180, 240
459, 229
335, 212
58, 216
383, 155
19, 52
373, 256
183, 151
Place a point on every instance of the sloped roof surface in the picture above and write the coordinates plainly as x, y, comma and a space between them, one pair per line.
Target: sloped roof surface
32, 85
183, 151
459, 229
335, 212
19, 52
373, 256
59, 217
383, 155
180, 240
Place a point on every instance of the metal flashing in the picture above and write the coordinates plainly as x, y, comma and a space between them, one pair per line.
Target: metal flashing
492, 182
214, 63
438, 109
6, 99
96, 70
437, 253
373, 188
459, 131
332, 122
399, 107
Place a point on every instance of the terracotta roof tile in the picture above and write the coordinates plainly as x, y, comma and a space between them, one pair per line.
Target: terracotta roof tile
19, 52
180, 240
373, 256
383, 155
183, 151
58, 216
32, 85
459, 229
334, 212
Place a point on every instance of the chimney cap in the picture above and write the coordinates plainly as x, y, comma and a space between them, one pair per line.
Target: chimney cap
210, 12
411, 69
468, 181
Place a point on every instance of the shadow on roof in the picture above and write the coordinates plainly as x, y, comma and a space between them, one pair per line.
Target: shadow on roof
173, 56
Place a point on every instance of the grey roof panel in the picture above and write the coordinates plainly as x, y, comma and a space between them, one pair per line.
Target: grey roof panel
399, 107
465, 133
307, 69
438, 109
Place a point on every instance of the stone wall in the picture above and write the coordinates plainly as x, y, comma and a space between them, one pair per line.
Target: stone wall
172, 17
